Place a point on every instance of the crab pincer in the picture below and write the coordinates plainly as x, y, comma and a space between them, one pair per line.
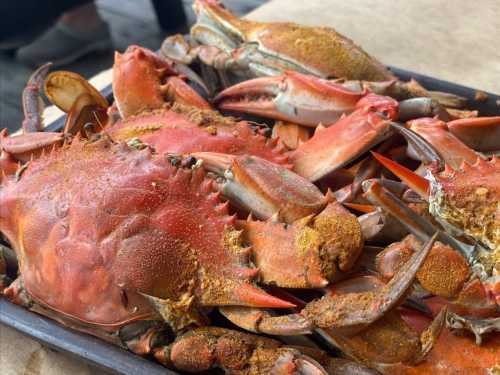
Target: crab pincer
294, 97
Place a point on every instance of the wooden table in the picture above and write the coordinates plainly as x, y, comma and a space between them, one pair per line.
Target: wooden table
457, 41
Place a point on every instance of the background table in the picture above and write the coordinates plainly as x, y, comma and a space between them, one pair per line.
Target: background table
458, 41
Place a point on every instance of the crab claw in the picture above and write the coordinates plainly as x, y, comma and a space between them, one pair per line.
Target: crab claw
321, 239
333, 147
352, 312
481, 133
265, 188
436, 133
294, 97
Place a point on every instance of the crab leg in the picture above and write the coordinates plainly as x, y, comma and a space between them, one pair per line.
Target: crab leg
265, 321
478, 327
414, 222
23, 146
236, 353
348, 314
33, 140
294, 97
32, 103
405, 346
352, 312
406, 90
421, 107
207, 348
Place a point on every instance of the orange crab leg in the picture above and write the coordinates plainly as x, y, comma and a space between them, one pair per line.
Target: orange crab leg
415, 223
33, 141
24, 145
413, 180
32, 103
294, 97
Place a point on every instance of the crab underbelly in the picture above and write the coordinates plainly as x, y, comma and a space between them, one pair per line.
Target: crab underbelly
477, 217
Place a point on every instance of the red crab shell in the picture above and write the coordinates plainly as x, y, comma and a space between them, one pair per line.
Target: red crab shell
183, 129
97, 225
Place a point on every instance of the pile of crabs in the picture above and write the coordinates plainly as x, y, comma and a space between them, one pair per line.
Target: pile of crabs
367, 215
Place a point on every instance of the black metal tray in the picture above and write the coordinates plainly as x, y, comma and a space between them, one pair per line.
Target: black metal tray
116, 360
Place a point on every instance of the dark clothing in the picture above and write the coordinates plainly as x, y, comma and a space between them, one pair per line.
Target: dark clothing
26, 19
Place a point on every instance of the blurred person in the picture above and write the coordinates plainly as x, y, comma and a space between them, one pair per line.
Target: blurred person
70, 28
77, 32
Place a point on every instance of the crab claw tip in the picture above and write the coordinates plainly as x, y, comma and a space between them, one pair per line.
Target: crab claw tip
413, 180
365, 208
252, 296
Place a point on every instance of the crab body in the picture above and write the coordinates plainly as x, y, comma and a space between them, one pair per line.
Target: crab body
259, 49
98, 228
185, 130
78, 242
